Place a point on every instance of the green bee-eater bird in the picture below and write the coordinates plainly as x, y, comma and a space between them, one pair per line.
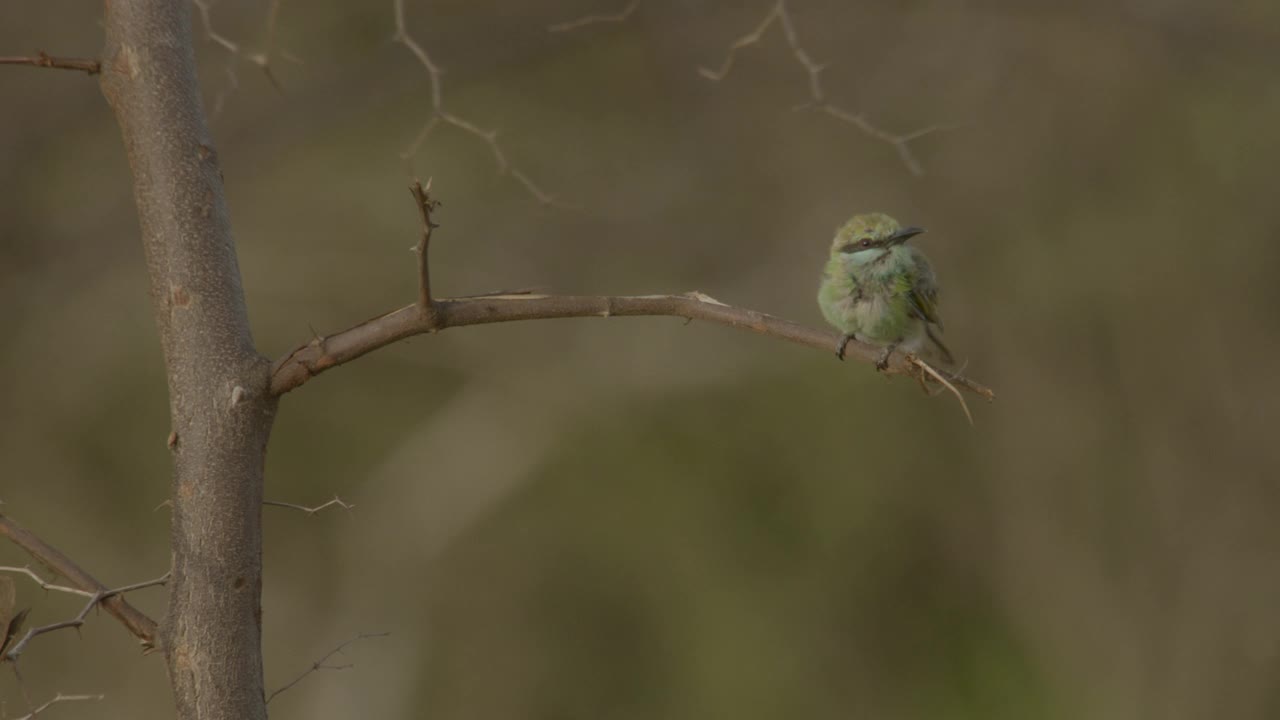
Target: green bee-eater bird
879, 290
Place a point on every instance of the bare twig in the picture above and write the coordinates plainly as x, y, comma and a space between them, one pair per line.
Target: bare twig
928, 370
142, 627
44, 584
311, 510
95, 599
237, 53
59, 698
439, 116
41, 59
585, 20
779, 14
320, 664
425, 207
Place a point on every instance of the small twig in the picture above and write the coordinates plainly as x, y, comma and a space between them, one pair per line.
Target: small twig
320, 664
59, 698
426, 206
585, 20
79, 619
817, 95
236, 53
899, 142
440, 116
927, 368
311, 510
90, 67
137, 622
45, 585
777, 12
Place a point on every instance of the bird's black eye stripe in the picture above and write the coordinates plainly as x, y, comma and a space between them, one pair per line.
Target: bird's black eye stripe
848, 247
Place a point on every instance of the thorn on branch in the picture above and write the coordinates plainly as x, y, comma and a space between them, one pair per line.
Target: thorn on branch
320, 664
44, 60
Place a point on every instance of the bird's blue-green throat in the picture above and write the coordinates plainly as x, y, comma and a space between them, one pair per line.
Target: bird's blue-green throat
879, 290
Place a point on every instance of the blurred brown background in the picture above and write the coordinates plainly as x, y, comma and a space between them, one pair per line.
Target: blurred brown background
634, 519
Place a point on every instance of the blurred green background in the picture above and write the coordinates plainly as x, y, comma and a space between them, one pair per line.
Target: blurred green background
632, 518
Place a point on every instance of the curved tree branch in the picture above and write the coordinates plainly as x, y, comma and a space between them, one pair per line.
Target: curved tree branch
309, 360
134, 620
431, 315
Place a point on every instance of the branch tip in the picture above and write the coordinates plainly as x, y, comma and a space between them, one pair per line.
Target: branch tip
320, 664
426, 205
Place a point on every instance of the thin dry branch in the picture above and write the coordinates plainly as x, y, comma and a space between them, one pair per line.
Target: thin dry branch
44, 584
307, 361
134, 620
237, 53
314, 509
59, 698
598, 18
95, 599
929, 371
320, 664
779, 14
439, 116
41, 59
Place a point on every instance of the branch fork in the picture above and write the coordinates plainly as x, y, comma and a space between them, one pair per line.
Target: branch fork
111, 600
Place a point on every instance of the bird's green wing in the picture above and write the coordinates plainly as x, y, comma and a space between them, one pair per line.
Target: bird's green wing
921, 287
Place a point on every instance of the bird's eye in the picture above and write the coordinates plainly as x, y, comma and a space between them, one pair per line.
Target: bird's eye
865, 242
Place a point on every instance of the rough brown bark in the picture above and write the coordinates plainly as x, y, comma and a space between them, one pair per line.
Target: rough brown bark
220, 407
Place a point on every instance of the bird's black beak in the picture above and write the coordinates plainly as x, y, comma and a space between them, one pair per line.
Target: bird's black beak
903, 235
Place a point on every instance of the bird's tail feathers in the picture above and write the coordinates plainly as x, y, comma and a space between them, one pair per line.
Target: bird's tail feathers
947, 357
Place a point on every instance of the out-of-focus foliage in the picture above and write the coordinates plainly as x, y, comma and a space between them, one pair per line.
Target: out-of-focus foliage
631, 518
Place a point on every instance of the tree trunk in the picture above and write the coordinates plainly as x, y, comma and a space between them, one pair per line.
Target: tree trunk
220, 407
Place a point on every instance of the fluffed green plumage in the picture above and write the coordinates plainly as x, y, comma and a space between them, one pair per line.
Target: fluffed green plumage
880, 290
